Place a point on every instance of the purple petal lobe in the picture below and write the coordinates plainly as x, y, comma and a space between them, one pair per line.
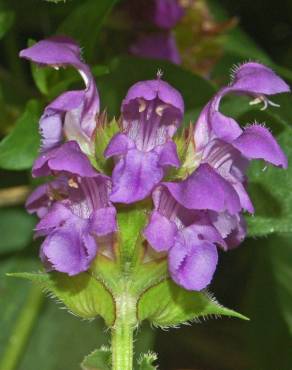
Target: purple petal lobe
68, 249
205, 189
256, 142
51, 122
256, 78
135, 176
160, 232
66, 158
118, 145
192, 262
103, 221
168, 155
225, 128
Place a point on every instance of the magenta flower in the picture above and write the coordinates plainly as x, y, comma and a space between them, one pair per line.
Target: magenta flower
152, 112
73, 113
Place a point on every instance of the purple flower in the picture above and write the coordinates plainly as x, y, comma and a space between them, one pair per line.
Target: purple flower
221, 142
66, 158
77, 219
163, 14
158, 45
152, 112
186, 234
72, 114
166, 13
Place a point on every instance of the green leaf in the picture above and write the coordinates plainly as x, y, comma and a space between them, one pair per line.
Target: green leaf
6, 21
146, 361
82, 294
100, 359
86, 32
19, 149
16, 227
167, 304
269, 303
113, 87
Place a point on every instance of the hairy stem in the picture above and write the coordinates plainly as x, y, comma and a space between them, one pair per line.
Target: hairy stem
122, 332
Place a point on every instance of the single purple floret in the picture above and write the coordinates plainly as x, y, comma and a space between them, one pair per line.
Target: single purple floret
73, 113
151, 114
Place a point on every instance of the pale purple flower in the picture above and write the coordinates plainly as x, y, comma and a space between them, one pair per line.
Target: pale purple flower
223, 144
73, 113
157, 45
78, 216
186, 234
151, 113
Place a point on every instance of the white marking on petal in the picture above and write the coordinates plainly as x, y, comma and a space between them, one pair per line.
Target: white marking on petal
142, 105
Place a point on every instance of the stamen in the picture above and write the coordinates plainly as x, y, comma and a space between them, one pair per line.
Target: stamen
160, 109
159, 74
142, 105
265, 101
73, 184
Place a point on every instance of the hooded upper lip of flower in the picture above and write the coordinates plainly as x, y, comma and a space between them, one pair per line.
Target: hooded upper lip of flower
152, 111
227, 147
73, 112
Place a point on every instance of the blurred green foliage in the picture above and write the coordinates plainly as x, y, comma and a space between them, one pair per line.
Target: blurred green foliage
254, 279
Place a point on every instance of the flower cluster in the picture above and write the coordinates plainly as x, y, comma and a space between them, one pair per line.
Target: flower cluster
163, 15
199, 210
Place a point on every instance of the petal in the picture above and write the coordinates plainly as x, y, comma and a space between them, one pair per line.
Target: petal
38, 201
191, 263
152, 89
225, 128
103, 221
255, 78
238, 234
55, 218
118, 145
66, 158
51, 122
160, 232
167, 13
168, 154
69, 249
244, 198
205, 189
55, 51
256, 142
134, 176
159, 45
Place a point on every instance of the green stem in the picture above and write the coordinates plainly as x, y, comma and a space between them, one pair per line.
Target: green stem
22, 329
122, 333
